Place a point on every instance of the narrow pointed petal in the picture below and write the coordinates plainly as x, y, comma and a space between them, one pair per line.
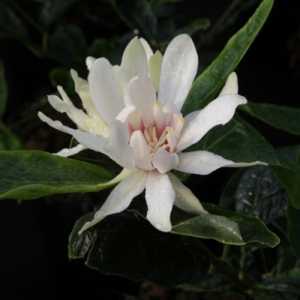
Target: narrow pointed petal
155, 68
185, 199
147, 48
164, 161
204, 162
105, 90
178, 70
160, 198
119, 199
134, 60
231, 86
116, 147
218, 112
78, 116
82, 89
141, 150
71, 151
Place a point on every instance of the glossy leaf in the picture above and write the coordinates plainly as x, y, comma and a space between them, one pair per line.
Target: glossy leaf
280, 117
127, 245
289, 173
8, 141
211, 80
33, 174
238, 141
255, 192
294, 229
227, 227
3, 90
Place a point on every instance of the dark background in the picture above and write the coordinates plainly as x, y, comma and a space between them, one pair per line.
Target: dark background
34, 235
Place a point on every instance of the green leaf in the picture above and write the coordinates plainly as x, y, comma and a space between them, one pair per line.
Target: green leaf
210, 81
68, 45
227, 227
290, 180
33, 174
137, 14
127, 245
195, 26
294, 229
3, 90
11, 25
256, 192
108, 48
52, 10
289, 173
61, 76
8, 140
238, 141
280, 117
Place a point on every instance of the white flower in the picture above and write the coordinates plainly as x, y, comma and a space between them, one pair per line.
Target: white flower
132, 114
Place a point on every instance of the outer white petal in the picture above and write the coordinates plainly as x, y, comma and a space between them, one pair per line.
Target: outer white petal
164, 161
89, 62
155, 68
231, 86
185, 199
204, 162
119, 143
218, 112
160, 198
142, 95
119, 199
147, 48
71, 151
134, 60
105, 90
141, 151
116, 147
178, 70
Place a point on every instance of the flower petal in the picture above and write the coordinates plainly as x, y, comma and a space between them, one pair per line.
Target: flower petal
142, 95
141, 150
231, 86
105, 90
204, 162
147, 48
185, 199
119, 198
178, 70
71, 151
134, 60
116, 146
155, 68
160, 198
89, 62
164, 161
218, 112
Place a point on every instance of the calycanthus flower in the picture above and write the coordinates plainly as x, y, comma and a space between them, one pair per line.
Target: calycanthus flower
131, 113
